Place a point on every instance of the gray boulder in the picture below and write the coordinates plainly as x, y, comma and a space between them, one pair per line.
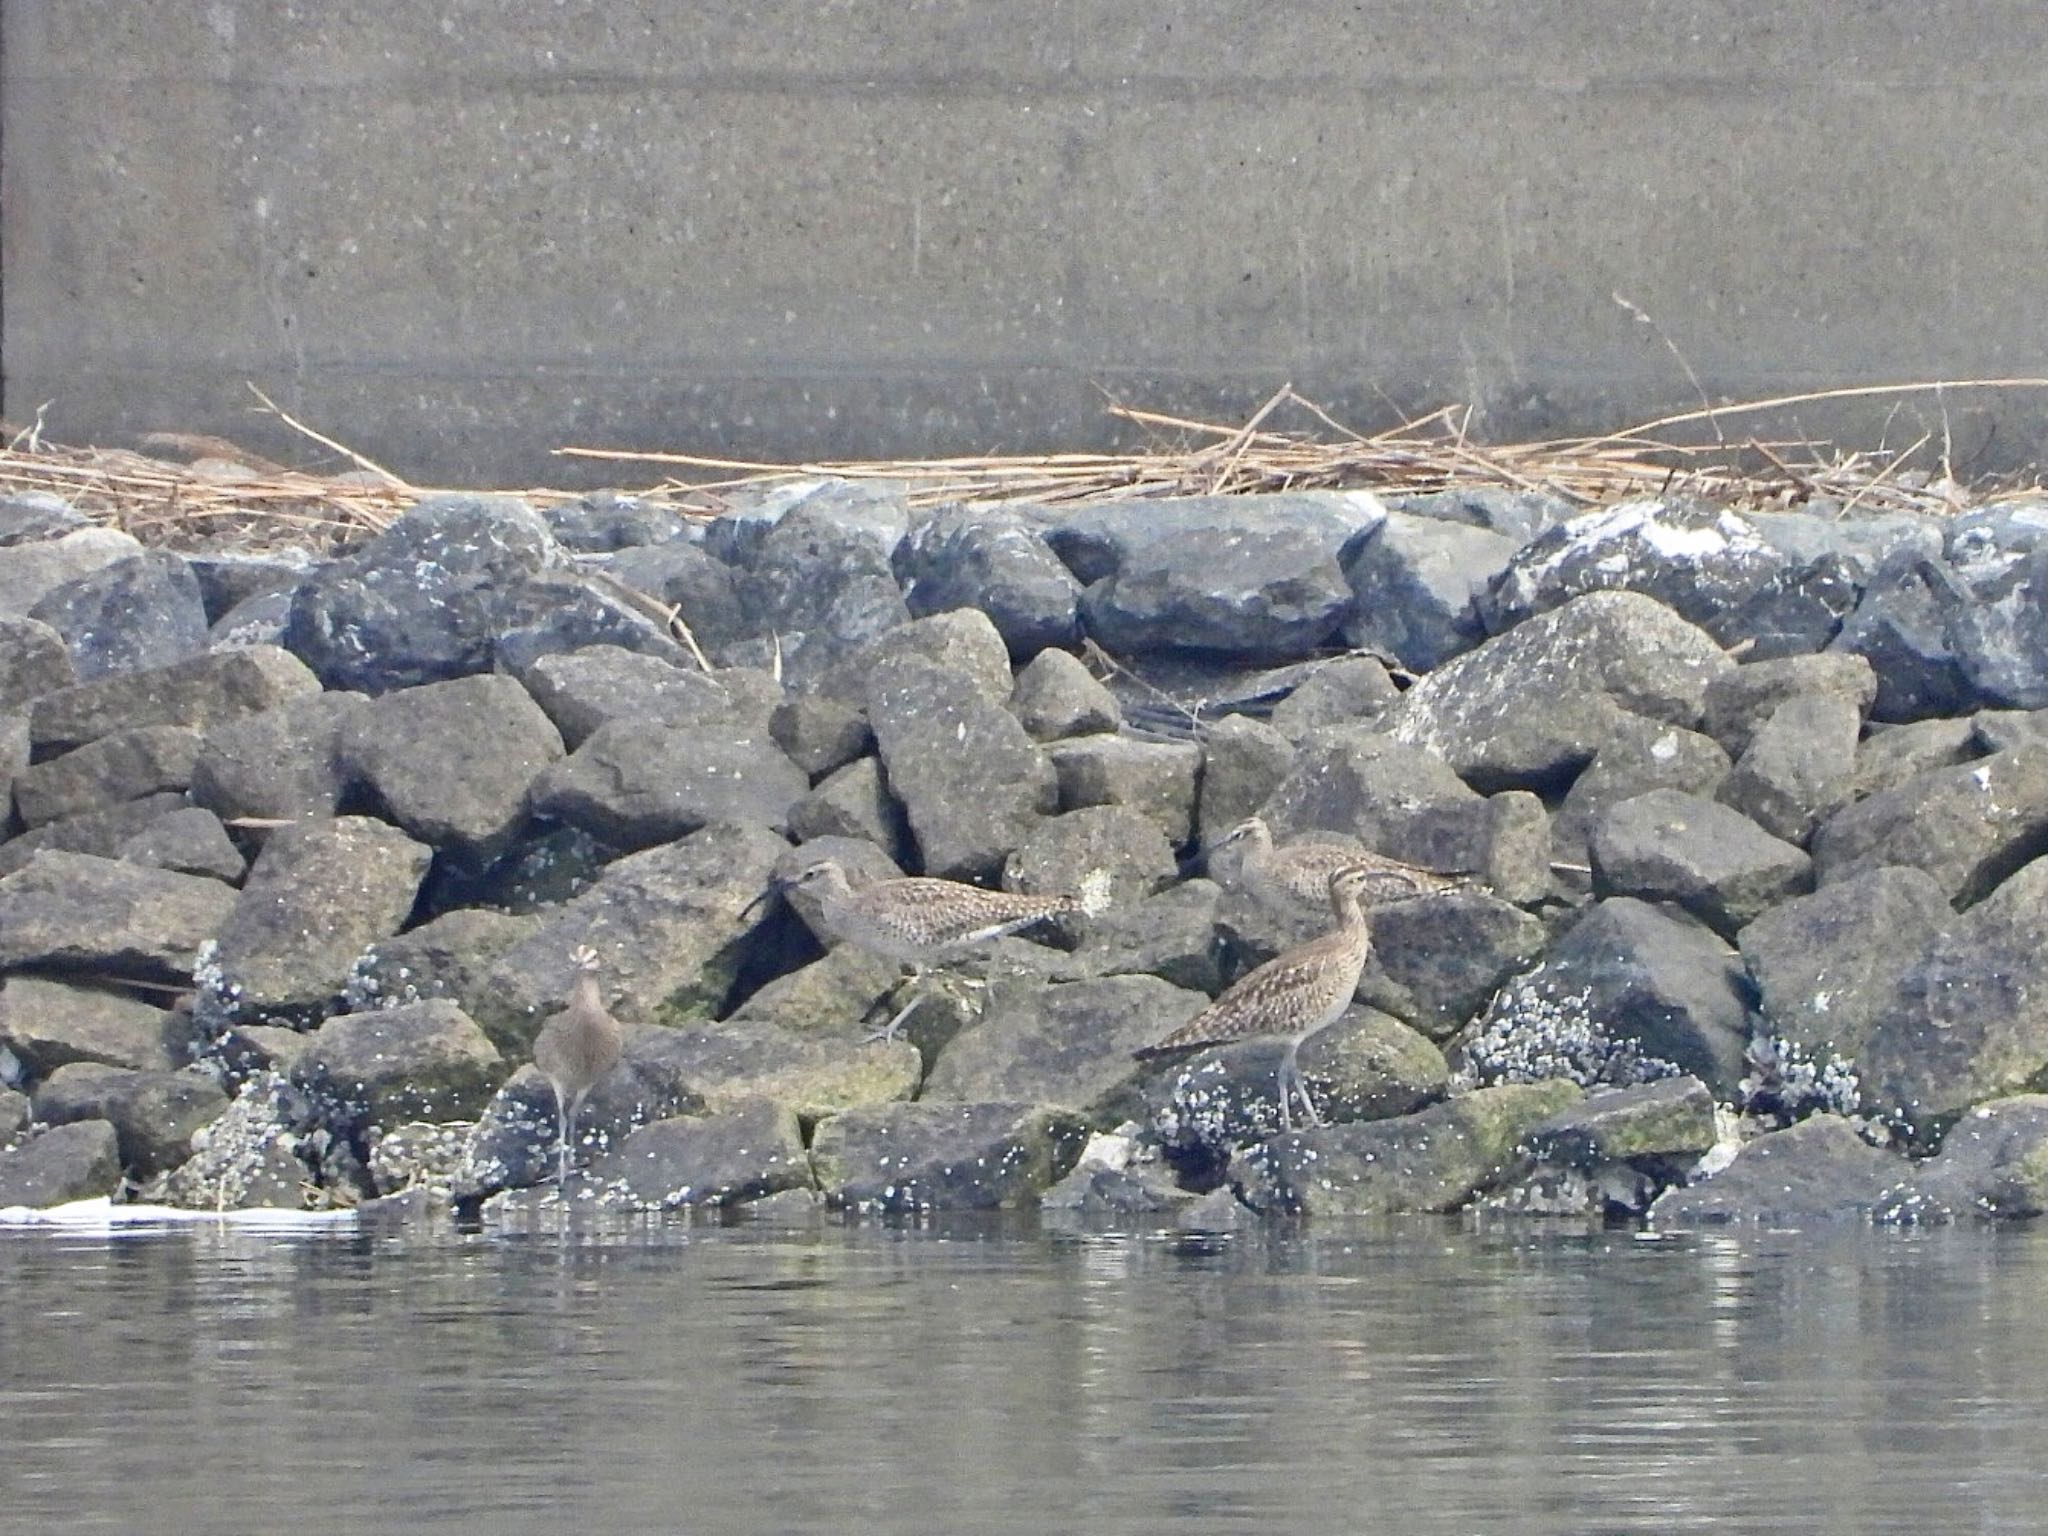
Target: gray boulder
702, 589
1436, 963
873, 510
1058, 854
1407, 803
452, 762
1519, 515
80, 1161
1968, 826
136, 613
319, 894
1706, 857
1993, 1162
32, 517
14, 1114
1254, 576
77, 912
823, 585
1366, 1066
1057, 697
555, 612
1999, 554
583, 690
1740, 700
1658, 1125
1636, 756
636, 786
283, 764
1901, 625
993, 561
49, 1023
672, 926
444, 958
123, 766
99, 833
1815, 1172
1243, 762
33, 662
190, 841
820, 735
30, 571
603, 521
1799, 768
153, 1113
962, 639
1069, 1046
833, 995
970, 780
1154, 778
1345, 690
230, 577
421, 1061
201, 692
1798, 611
1891, 754
1698, 560
259, 620
747, 1153
943, 1157
1416, 583
854, 802
423, 600
1094, 1192
1828, 966
1629, 994
1171, 935
1529, 708
1966, 1024
729, 1064
1436, 1159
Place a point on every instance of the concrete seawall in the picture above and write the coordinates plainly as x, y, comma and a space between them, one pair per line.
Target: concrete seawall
459, 234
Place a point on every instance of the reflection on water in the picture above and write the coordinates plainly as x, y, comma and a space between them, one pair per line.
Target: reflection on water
1419, 1377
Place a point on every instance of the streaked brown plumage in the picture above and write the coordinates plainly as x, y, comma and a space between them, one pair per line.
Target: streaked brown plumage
1297, 876
1294, 994
576, 1048
919, 921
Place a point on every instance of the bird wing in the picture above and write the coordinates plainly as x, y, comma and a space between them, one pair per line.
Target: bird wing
1297, 990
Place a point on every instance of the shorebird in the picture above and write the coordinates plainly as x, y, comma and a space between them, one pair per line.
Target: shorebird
1297, 877
1294, 994
576, 1047
919, 921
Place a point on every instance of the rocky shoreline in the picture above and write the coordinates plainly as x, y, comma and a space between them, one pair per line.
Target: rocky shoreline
1752, 806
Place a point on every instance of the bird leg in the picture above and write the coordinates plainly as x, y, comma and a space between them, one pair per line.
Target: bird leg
1292, 1084
562, 1123
888, 1030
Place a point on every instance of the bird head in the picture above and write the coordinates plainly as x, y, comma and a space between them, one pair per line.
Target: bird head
824, 872
583, 957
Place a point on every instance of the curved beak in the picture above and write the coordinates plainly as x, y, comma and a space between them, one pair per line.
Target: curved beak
775, 888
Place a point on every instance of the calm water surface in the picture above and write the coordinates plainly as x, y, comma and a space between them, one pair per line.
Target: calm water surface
1415, 1378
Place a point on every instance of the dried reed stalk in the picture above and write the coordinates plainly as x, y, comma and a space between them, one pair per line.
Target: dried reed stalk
228, 496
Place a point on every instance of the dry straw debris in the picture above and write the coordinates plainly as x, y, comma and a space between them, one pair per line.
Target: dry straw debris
182, 489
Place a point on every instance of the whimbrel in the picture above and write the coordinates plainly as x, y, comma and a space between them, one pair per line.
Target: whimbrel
1297, 877
919, 921
575, 1048
1294, 994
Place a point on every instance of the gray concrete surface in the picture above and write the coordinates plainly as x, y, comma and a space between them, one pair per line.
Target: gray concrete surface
459, 233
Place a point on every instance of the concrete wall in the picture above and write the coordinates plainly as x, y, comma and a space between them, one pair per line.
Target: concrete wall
457, 233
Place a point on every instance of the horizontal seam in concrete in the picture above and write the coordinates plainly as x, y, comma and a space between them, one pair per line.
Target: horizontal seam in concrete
978, 88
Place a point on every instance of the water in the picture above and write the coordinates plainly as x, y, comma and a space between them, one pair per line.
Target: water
1420, 1377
